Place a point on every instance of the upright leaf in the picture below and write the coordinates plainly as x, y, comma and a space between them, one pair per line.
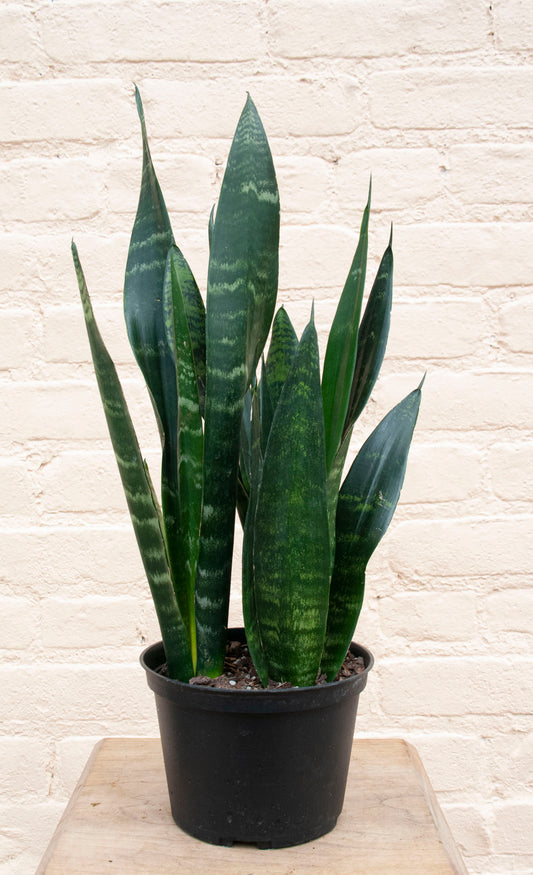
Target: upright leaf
371, 345
143, 293
241, 295
372, 341
190, 441
367, 501
195, 314
281, 352
341, 350
145, 320
142, 503
249, 601
291, 550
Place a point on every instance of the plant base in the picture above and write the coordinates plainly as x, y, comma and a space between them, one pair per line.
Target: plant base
262, 767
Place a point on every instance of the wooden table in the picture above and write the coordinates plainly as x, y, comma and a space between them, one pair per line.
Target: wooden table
118, 820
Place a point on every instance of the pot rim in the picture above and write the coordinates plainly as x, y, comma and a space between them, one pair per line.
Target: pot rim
153, 656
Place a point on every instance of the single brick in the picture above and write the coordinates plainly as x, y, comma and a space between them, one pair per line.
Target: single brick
221, 30
49, 190
361, 28
96, 558
462, 254
16, 330
456, 97
460, 547
65, 109
40, 410
441, 472
20, 622
441, 329
18, 36
315, 256
17, 498
511, 828
513, 755
69, 410
511, 465
89, 622
513, 25
516, 319
479, 174
509, 611
304, 184
456, 686
25, 765
79, 481
419, 616
97, 699
457, 401
43, 263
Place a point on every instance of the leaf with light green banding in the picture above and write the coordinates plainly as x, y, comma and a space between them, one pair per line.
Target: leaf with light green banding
195, 314
291, 549
373, 336
367, 501
145, 320
241, 295
142, 503
143, 292
371, 345
281, 352
341, 350
249, 604
186, 531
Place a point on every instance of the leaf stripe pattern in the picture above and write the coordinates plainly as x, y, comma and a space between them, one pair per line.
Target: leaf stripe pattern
291, 549
341, 351
241, 295
367, 502
142, 503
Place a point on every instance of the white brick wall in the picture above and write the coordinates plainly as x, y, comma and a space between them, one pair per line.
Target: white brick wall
436, 102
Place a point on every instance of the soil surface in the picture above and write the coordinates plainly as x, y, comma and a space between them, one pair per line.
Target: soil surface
240, 674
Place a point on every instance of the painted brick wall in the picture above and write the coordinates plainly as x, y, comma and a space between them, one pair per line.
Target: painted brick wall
434, 99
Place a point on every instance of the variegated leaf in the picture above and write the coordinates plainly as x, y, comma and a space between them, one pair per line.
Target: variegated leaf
142, 502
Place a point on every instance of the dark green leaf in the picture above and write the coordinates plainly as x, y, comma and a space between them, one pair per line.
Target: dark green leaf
372, 342
142, 503
291, 550
145, 320
249, 604
367, 501
195, 313
341, 350
143, 293
184, 530
241, 295
281, 352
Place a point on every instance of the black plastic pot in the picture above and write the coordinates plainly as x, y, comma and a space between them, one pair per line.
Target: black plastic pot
267, 767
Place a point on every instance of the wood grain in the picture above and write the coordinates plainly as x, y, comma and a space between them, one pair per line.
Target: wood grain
118, 820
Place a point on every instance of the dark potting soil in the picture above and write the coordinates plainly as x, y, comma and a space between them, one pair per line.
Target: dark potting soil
240, 674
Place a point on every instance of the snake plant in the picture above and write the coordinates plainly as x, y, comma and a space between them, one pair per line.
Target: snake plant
263, 433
